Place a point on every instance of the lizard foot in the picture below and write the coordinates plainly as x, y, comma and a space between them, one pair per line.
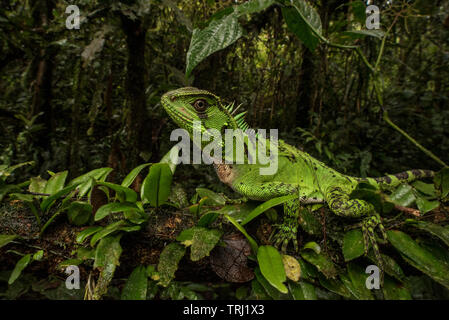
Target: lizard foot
283, 235
369, 224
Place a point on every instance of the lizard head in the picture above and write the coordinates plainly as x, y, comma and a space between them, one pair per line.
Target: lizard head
186, 105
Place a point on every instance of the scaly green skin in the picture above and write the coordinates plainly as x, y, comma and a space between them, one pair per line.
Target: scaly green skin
298, 172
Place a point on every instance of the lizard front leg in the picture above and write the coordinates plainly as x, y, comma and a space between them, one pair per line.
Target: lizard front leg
287, 231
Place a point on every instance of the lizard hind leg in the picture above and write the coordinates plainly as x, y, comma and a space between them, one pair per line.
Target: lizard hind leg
341, 205
287, 231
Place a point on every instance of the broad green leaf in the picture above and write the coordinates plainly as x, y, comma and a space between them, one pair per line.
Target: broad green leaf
253, 6
129, 179
391, 267
156, 186
272, 267
353, 245
419, 257
171, 158
203, 241
97, 174
38, 255
47, 202
70, 262
355, 281
83, 235
6, 238
107, 231
20, 265
267, 205
335, 286
207, 219
321, 262
130, 195
436, 230
309, 15
136, 286
426, 188
218, 35
425, 205
395, 290
79, 213
258, 292
114, 207
299, 27
168, 262
403, 196
214, 199
302, 290
108, 252
441, 182
313, 246
379, 34
269, 289
37, 185
359, 11
56, 182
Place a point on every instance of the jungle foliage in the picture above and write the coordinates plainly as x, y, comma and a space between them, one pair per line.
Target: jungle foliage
85, 177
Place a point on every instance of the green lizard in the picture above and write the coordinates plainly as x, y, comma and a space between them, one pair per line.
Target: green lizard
298, 172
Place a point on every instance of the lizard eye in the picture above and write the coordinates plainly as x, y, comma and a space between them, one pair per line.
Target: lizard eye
200, 105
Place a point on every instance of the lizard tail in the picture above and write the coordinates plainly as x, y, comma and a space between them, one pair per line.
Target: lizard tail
393, 180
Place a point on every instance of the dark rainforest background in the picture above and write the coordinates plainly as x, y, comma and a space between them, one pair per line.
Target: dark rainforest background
77, 100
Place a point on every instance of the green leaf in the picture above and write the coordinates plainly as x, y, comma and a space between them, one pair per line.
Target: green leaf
403, 196
359, 11
218, 35
38, 255
6, 238
425, 188
425, 205
379, 34
214, 199
313, 246
156, 186
441, 182
56, 182
391, 267
334, 285
267, 205
309, 16
253, 6
207, 219
272, 267
108, 252
355, 281
321, 262
395, 291
168, 262
269, 289
136, 286
20, 265
299, 27
203, 241
130, 195
79, 213
129, 179
302, 290
115, 207
419, 257
353, 245
83, 235
436, 230
47, 202
37, 184
85, 180
107, 231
